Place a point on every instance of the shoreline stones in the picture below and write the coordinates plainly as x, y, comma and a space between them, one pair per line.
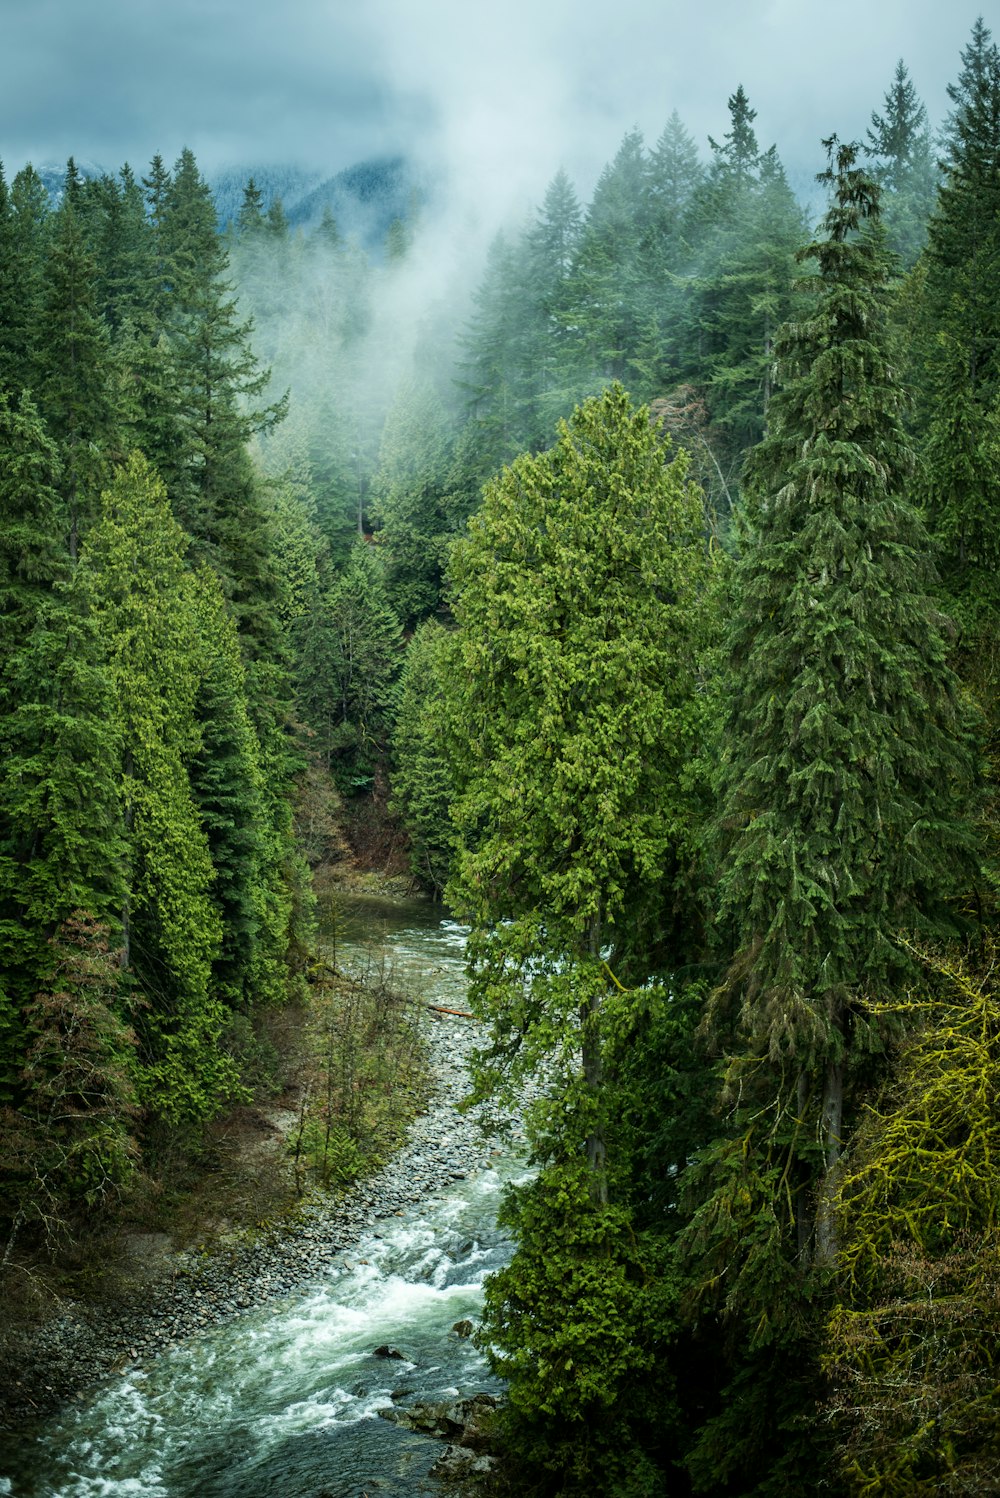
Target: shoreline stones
65, 1357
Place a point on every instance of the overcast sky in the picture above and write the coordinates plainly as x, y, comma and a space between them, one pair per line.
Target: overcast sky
499, 92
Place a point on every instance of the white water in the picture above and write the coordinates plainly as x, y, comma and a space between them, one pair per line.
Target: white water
283, 1401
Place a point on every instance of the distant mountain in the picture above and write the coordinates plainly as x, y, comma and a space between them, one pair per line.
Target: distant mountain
364, 198
289, 183
53, 175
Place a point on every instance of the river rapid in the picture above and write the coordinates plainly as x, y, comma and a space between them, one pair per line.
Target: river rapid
283, 1398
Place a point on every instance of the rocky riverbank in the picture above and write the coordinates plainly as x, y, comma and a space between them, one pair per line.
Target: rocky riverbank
191, 1292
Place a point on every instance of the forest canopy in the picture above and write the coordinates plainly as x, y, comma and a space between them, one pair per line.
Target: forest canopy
648, 603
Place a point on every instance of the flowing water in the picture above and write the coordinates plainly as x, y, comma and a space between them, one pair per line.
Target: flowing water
283, 1401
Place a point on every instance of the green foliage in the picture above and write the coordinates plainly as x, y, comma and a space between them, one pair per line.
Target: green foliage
349, 649
69, 1144
577, 1324
899, 140
423, 784
361, 1079
577, 713
580, 599
912, 1350
143, 604
845, 760
412, 503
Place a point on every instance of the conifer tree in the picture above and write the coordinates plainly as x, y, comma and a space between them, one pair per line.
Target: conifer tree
576, 721
20, 274
73, 373
960, 332
60, 833
412, 502
423, 783
845, 760
609, 286
845, 776
899, 140
134, 571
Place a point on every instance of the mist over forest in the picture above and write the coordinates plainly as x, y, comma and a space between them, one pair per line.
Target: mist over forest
617, 566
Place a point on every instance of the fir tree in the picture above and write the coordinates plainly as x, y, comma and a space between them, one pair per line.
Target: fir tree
900, 141
845, 759
134, 571
845, 775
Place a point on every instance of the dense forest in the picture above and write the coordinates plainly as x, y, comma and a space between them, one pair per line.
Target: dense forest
651, 598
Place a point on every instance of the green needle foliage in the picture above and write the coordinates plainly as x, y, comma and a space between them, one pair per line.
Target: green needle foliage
845, 777
144, 604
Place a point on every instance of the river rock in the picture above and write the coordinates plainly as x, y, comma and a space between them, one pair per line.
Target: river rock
385, 1351
457, 1463
463, 1328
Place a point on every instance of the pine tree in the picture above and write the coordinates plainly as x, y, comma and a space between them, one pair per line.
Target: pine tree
845, 756
900, 141
845, 775
142, 601
73, 372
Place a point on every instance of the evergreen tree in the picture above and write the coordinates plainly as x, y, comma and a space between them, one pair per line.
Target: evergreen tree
413, 504
73, 372
609, 286
845, 775
142, 601
423, 784
582, 620
60, 831
69, 1148
900, 141
959, 332
213, 386
20, 294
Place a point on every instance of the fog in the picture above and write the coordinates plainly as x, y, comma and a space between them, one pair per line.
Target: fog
493, 98
486, 103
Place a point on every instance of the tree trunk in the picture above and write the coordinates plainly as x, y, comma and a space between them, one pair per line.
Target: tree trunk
831, 1120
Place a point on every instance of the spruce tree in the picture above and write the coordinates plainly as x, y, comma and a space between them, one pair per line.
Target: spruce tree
845, 758
142, 600
845, 776
899, 140
73, 372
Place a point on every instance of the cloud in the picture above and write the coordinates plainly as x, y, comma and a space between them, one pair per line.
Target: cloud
496, 96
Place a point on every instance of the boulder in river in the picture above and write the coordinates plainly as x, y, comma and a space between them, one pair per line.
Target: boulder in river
463, 1328
456, 1463
464, 1422
385, 1351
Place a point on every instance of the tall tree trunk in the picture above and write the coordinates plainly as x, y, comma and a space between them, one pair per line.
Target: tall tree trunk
831, 1123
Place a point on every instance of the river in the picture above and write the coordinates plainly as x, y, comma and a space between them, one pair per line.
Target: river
283, 1401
